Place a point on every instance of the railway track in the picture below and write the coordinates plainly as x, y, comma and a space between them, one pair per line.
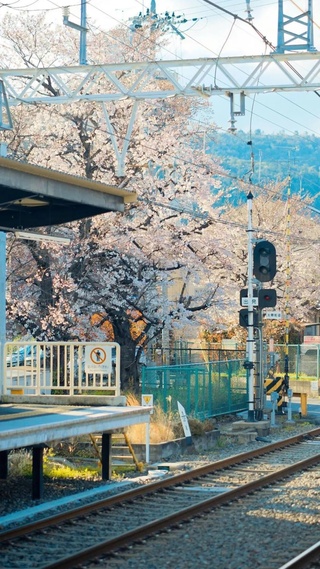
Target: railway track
241, 485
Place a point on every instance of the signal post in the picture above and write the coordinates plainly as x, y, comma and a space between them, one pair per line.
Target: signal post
262, 266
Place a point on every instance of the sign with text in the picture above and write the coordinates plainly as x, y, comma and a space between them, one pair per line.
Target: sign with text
311, 339
147, 400
184, 420
98, 359
245, 301
273, 315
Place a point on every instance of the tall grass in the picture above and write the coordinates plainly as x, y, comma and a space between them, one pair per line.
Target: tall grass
161, 425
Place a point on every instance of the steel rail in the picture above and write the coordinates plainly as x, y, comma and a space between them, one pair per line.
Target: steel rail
130, 495
303, 560
145, 531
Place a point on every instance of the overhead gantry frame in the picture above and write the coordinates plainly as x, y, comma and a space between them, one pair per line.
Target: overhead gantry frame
142, 81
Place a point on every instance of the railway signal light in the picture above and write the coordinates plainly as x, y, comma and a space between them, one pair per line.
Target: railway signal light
267, 298
264, 261
244, 318
244, 297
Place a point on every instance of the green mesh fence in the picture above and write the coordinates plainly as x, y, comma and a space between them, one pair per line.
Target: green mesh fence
304, 360
204, 390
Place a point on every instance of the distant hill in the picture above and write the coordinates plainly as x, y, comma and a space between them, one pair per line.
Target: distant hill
275, 157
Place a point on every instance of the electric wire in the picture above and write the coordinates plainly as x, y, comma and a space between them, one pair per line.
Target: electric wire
171, 53
206, 216
224, 44
261, 104
266, 41
26, 7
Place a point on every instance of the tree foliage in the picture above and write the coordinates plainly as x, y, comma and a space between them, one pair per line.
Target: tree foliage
176, 257
119, 266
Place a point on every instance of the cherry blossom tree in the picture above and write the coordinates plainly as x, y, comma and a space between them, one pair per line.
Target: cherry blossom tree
289, 223
178, 256
118, 266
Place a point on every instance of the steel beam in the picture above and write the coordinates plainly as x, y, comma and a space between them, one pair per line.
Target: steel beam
149, 80
163, 79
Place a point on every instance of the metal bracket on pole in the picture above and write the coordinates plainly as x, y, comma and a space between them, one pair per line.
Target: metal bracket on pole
234, 113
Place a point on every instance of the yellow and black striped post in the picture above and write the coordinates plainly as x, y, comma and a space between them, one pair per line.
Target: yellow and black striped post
275, 384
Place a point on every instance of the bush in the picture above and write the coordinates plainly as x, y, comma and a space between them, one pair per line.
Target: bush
20, 463
165, 426
197, 427
161, 428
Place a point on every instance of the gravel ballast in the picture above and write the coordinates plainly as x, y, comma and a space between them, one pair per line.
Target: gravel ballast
16, 491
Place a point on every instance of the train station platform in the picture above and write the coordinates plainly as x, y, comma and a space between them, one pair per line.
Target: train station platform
37, 426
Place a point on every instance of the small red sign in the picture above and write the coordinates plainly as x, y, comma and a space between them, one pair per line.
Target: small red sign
311, 339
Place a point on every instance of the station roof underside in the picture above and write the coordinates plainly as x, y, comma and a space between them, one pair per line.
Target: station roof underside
31, 196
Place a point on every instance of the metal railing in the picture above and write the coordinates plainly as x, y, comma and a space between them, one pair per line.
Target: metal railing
187, 355
205, 390
61, 368
304, 359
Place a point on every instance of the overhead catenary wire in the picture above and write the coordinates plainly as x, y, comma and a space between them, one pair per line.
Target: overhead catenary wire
193, 39
210, 50
206, 216
265, 40
259, 103
233, 177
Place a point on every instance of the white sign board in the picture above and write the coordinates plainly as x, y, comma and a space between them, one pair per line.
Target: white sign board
245, 301
98, 359
147, 400
184, 420
314, 386
274, 315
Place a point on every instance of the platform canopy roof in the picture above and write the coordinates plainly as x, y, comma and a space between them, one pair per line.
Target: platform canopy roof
31, 196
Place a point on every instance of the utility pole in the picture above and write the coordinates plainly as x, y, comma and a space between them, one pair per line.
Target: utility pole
262, 266
82, 29
3, 270
249, 364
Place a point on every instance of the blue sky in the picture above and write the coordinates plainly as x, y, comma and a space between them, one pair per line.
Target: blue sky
207, 33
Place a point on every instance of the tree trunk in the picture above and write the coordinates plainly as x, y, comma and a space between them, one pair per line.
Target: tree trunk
129, 373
